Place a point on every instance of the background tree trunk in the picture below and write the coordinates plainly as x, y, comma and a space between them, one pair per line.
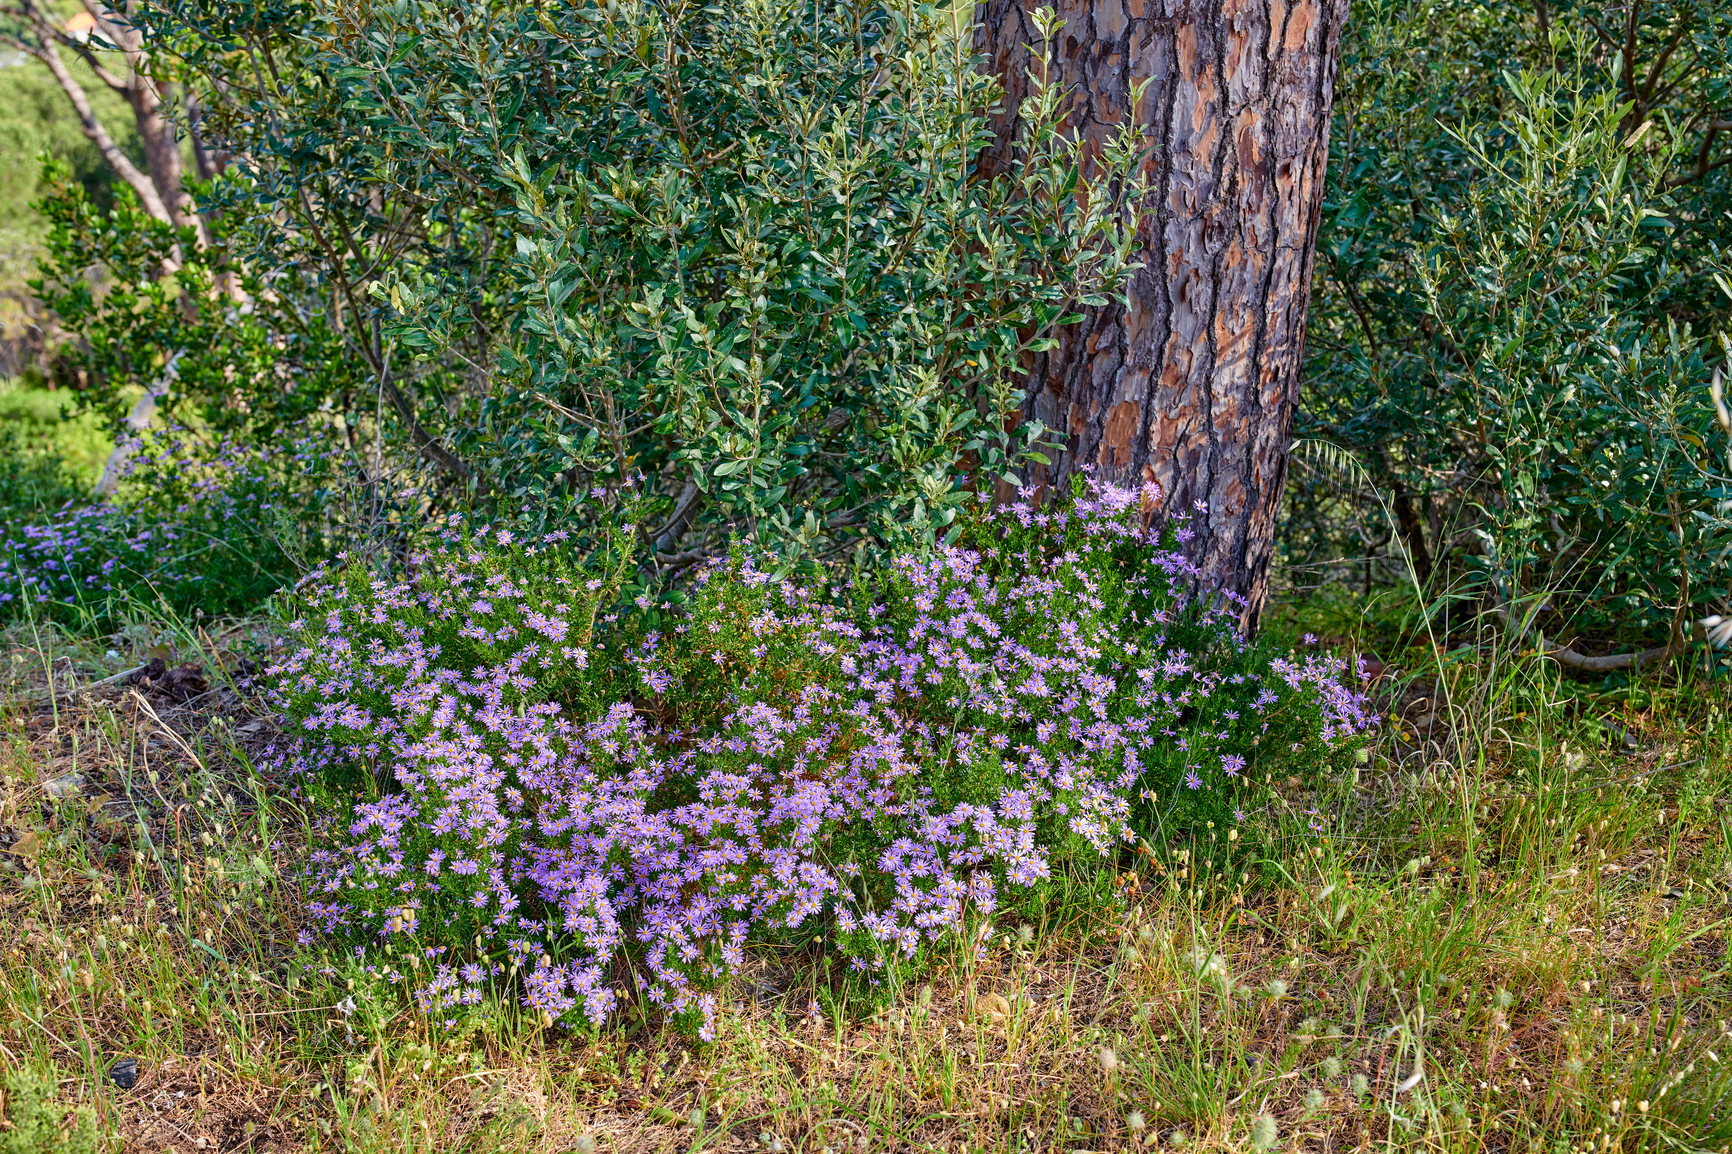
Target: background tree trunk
1193, 385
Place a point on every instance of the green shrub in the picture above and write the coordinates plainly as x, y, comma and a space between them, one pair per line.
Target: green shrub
1514, 313
33, 481
742, 251
34, 1125
230, 345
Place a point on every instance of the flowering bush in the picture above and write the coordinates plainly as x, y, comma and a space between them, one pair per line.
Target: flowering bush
521, 782
196, 525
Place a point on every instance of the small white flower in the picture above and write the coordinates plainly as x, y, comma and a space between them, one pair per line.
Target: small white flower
1411, 1080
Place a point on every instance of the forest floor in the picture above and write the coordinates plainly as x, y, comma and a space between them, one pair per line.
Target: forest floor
1508, 933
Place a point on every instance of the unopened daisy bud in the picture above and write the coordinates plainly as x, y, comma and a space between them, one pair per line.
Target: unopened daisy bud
1263, 1132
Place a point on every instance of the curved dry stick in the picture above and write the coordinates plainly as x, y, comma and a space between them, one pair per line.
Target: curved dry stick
1611, 662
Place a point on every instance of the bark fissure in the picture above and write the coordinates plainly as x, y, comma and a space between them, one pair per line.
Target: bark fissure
1191, 381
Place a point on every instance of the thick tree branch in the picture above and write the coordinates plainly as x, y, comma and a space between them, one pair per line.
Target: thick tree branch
1605, 37
1659, 66
1645, 659
140, 183
425, 442
1611, 662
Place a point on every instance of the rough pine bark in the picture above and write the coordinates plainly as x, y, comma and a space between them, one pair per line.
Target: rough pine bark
1193, 384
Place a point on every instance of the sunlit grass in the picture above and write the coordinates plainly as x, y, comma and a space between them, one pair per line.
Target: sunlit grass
34, 415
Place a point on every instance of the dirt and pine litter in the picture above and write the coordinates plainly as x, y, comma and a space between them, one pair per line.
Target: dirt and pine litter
119, 795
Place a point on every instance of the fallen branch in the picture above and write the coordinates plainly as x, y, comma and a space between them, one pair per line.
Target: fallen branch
1570, 659
67, 695
1611, 662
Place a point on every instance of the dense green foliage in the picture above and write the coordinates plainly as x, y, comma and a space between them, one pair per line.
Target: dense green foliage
35, 1123
229, 341
1516, 312
506, 255
740, 252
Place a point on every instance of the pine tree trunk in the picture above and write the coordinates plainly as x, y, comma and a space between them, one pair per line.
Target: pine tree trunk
1193, 385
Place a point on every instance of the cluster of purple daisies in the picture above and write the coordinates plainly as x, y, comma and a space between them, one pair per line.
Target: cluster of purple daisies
526, 785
